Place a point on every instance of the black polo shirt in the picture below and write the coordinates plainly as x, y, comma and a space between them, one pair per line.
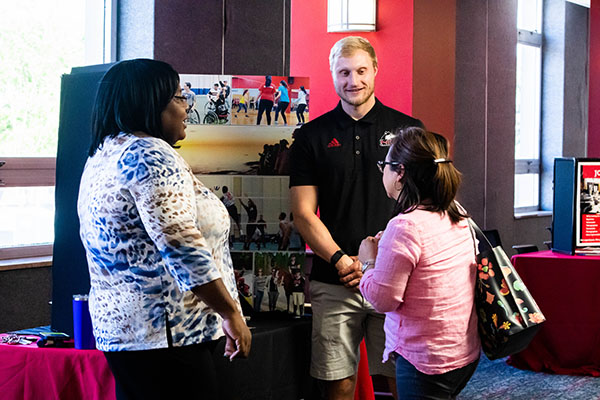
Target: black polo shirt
339, 155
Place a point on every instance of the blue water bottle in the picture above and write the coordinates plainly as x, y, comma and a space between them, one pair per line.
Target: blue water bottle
83, 332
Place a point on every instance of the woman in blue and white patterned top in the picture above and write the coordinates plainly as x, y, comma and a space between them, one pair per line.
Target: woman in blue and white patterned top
162, 282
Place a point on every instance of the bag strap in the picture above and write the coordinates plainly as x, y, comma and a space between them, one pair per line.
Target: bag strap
472, 230
480, 235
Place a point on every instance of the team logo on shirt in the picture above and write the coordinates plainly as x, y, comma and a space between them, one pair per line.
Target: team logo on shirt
334, 143
386, 139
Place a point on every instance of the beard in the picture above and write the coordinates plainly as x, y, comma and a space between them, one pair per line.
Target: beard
356, 101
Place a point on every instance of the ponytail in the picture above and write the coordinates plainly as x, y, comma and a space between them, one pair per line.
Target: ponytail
445, 186
430, 180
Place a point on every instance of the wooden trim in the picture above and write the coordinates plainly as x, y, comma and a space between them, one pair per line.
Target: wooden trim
27, 171
25, 263
14, 253
27, 177
28, 163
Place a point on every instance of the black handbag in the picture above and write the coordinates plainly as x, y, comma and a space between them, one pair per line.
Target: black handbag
508, 315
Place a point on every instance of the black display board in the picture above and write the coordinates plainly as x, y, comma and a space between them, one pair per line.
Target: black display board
69, 266
244, 174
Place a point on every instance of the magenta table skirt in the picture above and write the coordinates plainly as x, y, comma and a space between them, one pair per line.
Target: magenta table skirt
567, 289
32, 373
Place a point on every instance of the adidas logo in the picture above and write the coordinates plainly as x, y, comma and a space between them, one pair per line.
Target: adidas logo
334, 143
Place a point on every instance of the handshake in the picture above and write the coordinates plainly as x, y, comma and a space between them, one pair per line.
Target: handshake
351, 268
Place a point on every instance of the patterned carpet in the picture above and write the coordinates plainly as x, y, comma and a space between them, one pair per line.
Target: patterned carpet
497, 380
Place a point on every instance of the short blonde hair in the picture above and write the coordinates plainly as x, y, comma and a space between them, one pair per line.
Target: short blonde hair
347, 46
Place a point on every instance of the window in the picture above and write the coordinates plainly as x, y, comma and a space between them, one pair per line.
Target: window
528, 101
39, 41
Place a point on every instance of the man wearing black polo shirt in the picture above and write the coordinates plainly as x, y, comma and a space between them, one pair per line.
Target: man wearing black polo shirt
334, 168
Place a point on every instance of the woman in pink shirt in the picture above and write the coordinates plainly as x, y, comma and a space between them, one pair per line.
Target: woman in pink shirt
420, 271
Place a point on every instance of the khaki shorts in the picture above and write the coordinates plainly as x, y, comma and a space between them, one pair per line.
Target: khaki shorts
341, 318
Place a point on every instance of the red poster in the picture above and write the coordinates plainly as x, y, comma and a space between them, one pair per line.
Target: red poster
590, 228
590, 171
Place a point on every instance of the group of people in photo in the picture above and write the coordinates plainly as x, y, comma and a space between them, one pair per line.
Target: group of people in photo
256, 235
372, 192
274, 159
590, 197
218, 97
221, 104
216, 105
278, 100
276, 282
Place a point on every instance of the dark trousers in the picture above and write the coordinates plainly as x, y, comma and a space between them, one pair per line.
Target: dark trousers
250, 229
282, 108
240, 105
258, 300
264, 105
273, 295
175, 373
414, 384
300, 112
235, 215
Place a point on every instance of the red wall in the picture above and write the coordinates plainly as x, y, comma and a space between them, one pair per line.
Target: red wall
434, 65
594, 96
310, 44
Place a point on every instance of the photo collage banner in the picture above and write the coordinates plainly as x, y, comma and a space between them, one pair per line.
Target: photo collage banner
239, 147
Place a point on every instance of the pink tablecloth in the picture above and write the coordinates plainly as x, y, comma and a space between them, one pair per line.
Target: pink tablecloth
567, 289
32, 373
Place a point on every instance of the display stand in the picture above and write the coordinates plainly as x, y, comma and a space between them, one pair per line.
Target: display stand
576, 210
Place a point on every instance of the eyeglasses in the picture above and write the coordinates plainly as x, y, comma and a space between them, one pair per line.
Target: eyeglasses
381, 164
180, 98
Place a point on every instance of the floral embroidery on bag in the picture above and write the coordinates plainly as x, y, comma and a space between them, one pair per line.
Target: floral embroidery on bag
505, 325
504, 290
536, 318
485, 269
518, 285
